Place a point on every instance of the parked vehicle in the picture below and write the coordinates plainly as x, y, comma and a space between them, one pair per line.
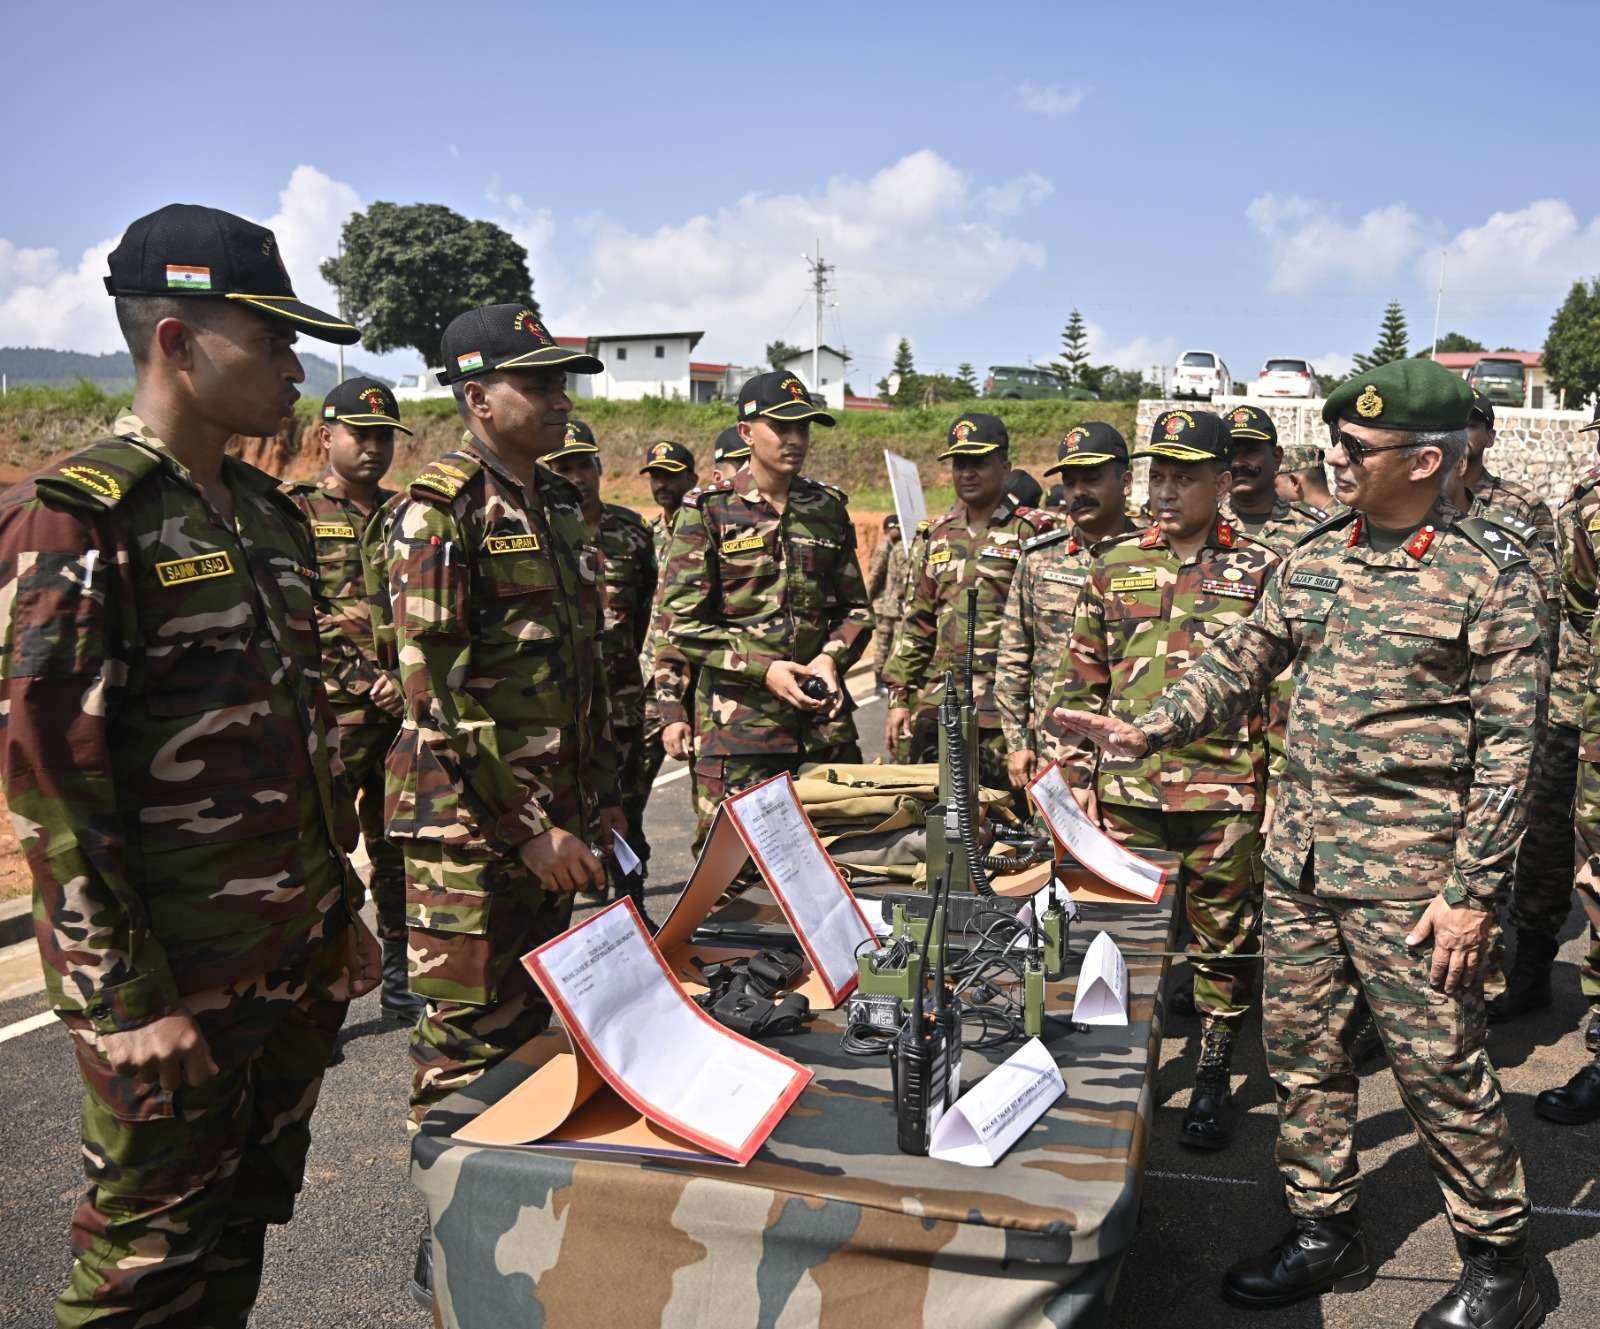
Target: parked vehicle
1286, 376
1026, 383
417, 387
1201, 375
1504, 382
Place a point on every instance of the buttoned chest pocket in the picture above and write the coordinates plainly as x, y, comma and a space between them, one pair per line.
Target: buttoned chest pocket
817, 557
198, 620
515, 593
339, 568
1057, 594
745, 563
1416, 651
1135, 623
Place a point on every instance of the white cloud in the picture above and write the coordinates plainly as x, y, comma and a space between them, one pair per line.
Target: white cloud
1535, 252
1049, 98
312, 209
532, 228
917, 238
1334, 364
1309, 248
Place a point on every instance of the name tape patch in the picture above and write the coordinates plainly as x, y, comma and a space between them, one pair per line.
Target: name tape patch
512, 544
1064, 578
1314, 581
743, 544
202, 567
333, 530
1138, 581
938, 556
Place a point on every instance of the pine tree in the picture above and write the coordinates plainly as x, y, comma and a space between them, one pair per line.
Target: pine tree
967, 377
1074, 349
906, 370
1392, 340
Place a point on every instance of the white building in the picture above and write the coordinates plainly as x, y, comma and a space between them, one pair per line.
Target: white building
642, 364
830, 371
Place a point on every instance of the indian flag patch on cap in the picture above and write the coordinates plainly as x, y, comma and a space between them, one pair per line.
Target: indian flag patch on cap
467, 363
328, 412
181, 277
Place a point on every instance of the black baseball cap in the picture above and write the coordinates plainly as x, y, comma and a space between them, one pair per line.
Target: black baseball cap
579, 442
777, 395
976, 435
364, 403
1249, 424
1024, 488
1593, 424
1090, 444
495, 337
668, 456
1482, 407
187, 250
730, 446
1187, 436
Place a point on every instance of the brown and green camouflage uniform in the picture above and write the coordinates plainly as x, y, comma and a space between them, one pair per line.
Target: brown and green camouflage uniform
496, 600
1419, 677
1543, 895
747, 586
1519, 501
1143, 618
1037, 629
654, 721
628, 578
885, 586
341, 531
169, 767
933, 631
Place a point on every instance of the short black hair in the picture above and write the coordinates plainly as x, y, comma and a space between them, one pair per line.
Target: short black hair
137, 316
890, 521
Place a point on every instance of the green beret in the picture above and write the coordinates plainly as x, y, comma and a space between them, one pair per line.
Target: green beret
1413, 394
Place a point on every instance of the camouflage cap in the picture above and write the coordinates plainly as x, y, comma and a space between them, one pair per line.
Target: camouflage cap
1187, 436
364, 403
668, 456
579, 442
1250, 424
730, 446
1089, 444
976, 435
1415, 395
1299, 457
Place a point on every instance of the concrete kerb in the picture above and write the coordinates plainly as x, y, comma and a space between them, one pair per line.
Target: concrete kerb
16, 920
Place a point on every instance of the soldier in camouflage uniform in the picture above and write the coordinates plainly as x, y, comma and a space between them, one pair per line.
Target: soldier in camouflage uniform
1417, 640
1254, 506
764, 593
670, 468
1302, 478
885, 583
1152, 602
628, 581
978, 543
1093, 458
170, 768
1501, 495
344, 510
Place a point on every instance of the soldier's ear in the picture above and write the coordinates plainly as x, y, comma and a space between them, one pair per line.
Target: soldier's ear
1127, 481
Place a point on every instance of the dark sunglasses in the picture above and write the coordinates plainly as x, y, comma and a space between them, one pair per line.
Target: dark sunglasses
1358, 452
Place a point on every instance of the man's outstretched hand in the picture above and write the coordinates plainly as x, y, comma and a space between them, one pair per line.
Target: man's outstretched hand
1117, 737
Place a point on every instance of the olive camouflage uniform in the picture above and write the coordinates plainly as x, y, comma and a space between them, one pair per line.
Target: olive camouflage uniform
1143, 618
169, 765
747, 586
1543, 894
497, 613
949, 561
885, 587
1419, 676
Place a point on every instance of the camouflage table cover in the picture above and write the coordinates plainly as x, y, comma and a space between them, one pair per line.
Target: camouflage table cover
829, 1224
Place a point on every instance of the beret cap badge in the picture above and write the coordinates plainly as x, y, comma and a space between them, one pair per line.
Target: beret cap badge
1369, 404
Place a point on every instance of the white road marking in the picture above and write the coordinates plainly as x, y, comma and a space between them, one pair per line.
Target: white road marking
27, 1026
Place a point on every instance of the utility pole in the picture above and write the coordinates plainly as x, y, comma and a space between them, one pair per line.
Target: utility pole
819, 292
339, 251
1438, 304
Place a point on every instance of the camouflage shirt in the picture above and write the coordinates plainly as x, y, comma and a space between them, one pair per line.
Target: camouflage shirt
748, 586
168, 757
1143, 618
1508, 496
497, 619
1418, 678
887, 579
670, 678
628, 577
345, 615
1573, 697
1038, 629
933, 630
1280, 528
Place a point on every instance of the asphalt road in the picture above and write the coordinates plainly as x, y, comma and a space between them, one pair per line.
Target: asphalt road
346, 1258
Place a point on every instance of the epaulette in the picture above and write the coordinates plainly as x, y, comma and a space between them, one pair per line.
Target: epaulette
444, 478
1129, 537
628, 515
1495, 536
1525, 531
922, 527
1053, 536
1308, 510
830, 488
1331, 524
698, 496
299, 487
100, 476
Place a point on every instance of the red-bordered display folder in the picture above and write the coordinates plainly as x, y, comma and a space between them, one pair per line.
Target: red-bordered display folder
1088, 844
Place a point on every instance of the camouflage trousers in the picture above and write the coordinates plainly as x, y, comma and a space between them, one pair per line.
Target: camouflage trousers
182, 1185
1586, 823
883, 631
1220, 878
633, 787
715, 778
1323, 954
472, 917
364, 749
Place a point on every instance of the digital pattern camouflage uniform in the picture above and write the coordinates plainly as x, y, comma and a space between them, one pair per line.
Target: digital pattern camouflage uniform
346, 621
1419, 674
1037, 631
933, 631
1143, 618
169, 768
1541, 900
497, 613
628, 577
654, 753
1519, 501
748, 586
885, 588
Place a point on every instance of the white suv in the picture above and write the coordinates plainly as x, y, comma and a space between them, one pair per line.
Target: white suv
1286, 377
1201, 374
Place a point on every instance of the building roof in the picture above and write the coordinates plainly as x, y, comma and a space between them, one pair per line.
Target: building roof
710, 370
574, 343
867, 404
1466, 359
694, 338
806, 355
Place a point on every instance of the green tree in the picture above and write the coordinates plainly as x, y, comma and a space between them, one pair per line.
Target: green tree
409, 268
1392, 339
1454, 341
1074, 350
906, 393
968, 378
1112, 384
779, 351
1572, 346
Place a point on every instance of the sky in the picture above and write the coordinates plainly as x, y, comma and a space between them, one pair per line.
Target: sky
1254, 179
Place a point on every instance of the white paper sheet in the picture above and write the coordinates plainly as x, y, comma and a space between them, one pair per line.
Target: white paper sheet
653, 1045
1102, 996
996, 1112
627, 860
1037, 906
905, 482
819, 905
1087, 843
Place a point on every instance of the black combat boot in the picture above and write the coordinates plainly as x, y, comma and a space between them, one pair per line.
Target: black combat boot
1180, 996
1528, 983
1208, 1124
422, 1271
1495, 1291
1577, 1102
397, 999
1316, 1255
